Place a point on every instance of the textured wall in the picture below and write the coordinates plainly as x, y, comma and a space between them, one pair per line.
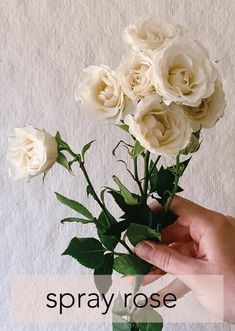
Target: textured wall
44, 45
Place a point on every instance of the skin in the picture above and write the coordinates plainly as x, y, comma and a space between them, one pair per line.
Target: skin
200, 242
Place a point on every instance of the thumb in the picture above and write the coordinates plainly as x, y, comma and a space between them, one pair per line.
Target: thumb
168, 259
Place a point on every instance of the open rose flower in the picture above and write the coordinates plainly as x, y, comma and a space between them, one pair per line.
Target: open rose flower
151, 34
31, 152
133, 76
100, 93
182, 73
207, 114
159, 128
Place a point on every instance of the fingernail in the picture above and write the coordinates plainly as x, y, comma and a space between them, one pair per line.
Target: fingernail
143, 249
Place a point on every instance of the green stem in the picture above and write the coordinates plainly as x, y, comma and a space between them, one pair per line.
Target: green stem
137, 285
124, 244
154, 165
135, 159
146, 172
167, 206
95, 196
93, 190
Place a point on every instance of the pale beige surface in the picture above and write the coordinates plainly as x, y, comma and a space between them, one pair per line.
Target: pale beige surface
44, 45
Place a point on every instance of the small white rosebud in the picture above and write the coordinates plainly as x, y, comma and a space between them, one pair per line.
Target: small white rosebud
31, 152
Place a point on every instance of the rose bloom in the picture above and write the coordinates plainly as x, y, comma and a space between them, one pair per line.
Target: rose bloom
151, 34
160, 129
100, 93
182, 73
133, 76
207, 114
31, 152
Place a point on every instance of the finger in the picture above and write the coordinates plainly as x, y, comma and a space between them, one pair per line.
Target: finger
190, 215
176, 287
188, 249
175, 232
231, 220
168, 259
155, 206
152, 276
189, 211
198, 219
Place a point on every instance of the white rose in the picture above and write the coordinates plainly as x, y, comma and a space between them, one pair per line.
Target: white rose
209, 111
151, 34
100, 93
133, 76
31, 152
182, 73
159, 128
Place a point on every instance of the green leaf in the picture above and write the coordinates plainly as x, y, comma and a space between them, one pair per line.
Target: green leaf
78, 220
153, 319
193, 145
64, 145
102, 194
117, 228
62, 160
197, 134
129, 198
140, 213
120, 324
124, 127
58, 138
169, 218
131, 265
165, 181
138, 232
103, 283
138, 149
78, 207
119, 307
89, 191
179, 189
103, 224
86, 148
184, 165
87, 251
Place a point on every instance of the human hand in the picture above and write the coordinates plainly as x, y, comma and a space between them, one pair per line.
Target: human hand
200, 242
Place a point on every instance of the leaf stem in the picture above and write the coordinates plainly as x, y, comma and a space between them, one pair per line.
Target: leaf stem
82, 166
124, 244
146, 172
176, 182
95, 196
135, 159
154, 165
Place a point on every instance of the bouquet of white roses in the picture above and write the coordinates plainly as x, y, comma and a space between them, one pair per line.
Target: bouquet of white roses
165, 91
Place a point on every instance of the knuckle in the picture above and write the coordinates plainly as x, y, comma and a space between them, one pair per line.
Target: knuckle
165, 259
220, 220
